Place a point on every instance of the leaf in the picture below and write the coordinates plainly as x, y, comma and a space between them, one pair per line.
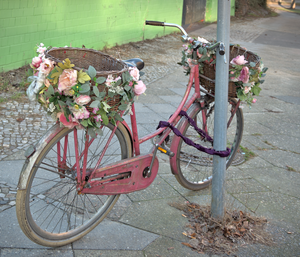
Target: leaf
118, 117
112, 120
106, 106
187, 244
84, 88
61, 103
92, 72
51, 90
103, 94
127, 87
95, 104
83, 77
90, 122
99, 132
66, 64
84, 123
123, 107
104, 118
264, 69
100, 80
96, 91
126, 76
252, 64
118, 83
92, 133
255, 90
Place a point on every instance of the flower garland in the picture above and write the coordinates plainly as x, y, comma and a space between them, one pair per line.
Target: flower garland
73, 97
245, 75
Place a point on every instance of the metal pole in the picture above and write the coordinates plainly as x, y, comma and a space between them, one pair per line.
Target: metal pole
221, 103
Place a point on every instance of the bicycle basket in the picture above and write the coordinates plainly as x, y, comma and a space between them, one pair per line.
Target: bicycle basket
82, 58
207, 79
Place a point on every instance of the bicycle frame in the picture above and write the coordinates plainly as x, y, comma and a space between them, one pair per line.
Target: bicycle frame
129, 175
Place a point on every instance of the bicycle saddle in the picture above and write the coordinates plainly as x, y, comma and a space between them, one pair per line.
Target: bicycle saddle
135, 62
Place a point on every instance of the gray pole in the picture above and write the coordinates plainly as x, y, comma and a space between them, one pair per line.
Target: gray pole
221, 103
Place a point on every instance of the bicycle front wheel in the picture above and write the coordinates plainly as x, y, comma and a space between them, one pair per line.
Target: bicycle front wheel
50, 210
195, 167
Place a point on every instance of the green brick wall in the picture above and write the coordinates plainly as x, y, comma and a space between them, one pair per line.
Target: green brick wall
93, 23
211, 13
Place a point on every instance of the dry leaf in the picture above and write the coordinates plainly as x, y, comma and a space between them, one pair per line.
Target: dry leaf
170, 248
183, 215
186, 244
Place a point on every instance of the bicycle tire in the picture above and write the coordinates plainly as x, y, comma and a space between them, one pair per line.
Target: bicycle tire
195, 167
50, 211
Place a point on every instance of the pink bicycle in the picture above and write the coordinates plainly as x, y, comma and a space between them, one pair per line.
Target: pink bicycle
70, 182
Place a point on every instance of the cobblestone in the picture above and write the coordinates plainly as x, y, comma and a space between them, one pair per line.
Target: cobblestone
8, 195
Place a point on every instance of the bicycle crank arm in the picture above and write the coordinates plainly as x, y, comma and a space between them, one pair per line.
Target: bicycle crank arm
123, 177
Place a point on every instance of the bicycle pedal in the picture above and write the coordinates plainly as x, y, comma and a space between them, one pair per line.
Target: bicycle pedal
165, 151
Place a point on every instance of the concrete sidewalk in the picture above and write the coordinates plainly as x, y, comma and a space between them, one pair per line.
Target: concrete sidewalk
268, 184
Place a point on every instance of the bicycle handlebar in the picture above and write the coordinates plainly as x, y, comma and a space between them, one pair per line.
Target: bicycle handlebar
186, 38
164, 24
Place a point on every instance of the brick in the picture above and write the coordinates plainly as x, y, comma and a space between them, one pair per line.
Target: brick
5, 14
3, 41
20, 21
23, 3
4, 4
17, 12
4, 50
28, 11
14, 4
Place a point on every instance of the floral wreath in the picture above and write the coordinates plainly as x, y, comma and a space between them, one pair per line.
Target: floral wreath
73, 97
245, 75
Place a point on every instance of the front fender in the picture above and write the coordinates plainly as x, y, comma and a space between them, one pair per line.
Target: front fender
32, 157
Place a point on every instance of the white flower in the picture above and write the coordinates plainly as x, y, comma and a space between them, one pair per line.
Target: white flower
51, 107
202, 40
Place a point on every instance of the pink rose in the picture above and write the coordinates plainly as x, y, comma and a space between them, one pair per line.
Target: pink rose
36, 62
80, 113
46, 66
247, 89
254, 100
98, 118
134, 73
67, 79
95, 110
109, 80
69, 124
83, 100
244, 75
239, 60
41, 50
139, 88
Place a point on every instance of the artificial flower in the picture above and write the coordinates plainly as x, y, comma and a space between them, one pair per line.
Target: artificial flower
139, 88
36, 62
69, 124
134, 73
239, 60
244, 75
67, 79
83, 100
80, 113
46, 66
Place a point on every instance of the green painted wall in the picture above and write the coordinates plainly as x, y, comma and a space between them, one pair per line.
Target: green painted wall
211, 13
93, 23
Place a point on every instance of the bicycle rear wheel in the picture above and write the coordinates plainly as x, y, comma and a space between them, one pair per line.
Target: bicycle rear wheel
195, 167
50, 210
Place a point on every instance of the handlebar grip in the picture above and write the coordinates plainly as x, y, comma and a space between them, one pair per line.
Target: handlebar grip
155, 23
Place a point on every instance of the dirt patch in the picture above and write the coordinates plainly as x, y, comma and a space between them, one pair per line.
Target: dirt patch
211, 236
